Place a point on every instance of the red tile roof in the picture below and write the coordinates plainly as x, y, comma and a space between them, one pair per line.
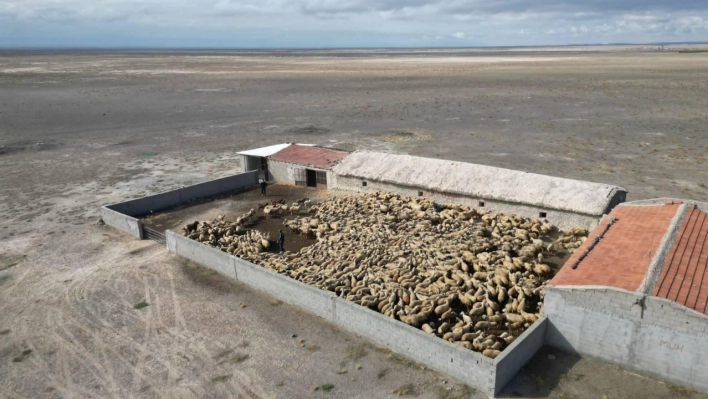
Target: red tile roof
317, 157
622, 256
684, 274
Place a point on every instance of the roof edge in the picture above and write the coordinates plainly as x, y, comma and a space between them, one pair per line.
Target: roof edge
590, 288
613, 189
598, 214
657, 262
663, 200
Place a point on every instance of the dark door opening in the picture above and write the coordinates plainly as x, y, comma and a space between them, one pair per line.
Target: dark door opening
264, 168
311, 178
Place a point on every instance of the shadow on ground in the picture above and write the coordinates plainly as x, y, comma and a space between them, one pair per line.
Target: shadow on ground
541, 375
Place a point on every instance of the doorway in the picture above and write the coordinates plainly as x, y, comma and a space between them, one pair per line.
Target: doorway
263, 168
311, 178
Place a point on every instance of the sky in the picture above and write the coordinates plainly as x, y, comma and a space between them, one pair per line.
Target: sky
347, 23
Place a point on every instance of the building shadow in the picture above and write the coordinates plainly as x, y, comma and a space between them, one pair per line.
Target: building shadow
541, 375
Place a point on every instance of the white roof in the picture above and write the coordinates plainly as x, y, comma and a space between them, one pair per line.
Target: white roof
266, 151
481, 181
270, 150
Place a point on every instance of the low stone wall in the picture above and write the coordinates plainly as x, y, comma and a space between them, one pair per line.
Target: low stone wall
124, 223
151, 203
560, 218
651, 335
468, 366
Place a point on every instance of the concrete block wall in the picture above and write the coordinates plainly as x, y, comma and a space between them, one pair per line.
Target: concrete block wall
470, 367
669, 314
286, 289
560, 218
665, 342
151, 203
124, 223
205, 255
516, 355
281, 171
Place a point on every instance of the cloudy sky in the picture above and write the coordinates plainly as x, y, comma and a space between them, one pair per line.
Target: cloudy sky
348, 23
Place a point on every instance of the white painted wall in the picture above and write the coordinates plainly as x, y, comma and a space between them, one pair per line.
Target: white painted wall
284, 172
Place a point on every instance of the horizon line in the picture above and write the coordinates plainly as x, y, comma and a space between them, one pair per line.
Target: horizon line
79, 47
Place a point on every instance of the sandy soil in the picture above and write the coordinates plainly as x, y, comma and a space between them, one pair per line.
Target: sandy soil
78, 130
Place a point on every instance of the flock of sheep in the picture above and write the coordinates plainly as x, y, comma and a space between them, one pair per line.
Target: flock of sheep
469, 276
230, 237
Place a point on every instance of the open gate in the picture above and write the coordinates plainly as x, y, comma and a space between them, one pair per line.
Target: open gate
154, 235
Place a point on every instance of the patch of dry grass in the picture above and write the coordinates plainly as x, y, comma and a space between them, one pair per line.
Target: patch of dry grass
405, 135
25, 353
356, 352
239, 357
405, 390
457, 392
221, 378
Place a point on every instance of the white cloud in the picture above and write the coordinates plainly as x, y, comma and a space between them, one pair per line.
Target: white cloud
307, 23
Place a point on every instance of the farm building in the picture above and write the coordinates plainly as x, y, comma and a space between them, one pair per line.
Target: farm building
636, 292
302, 165
564, 202
257, 159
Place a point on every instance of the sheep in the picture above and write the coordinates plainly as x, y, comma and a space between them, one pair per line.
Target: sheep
455, 272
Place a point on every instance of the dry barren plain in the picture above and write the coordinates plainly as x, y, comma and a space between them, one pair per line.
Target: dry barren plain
85, 128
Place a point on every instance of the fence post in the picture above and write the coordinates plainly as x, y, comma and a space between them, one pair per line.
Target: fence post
141, 230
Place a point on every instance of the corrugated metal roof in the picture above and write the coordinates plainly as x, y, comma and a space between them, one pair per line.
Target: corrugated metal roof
484, 182
684, 274
316, 157
622, 256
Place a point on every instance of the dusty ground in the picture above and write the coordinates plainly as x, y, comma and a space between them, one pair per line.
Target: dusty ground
84, 129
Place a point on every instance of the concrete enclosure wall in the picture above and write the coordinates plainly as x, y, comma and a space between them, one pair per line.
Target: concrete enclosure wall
650, 335
124, 223
513, 358
468, 366
205, 255
560, 218
143, 206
